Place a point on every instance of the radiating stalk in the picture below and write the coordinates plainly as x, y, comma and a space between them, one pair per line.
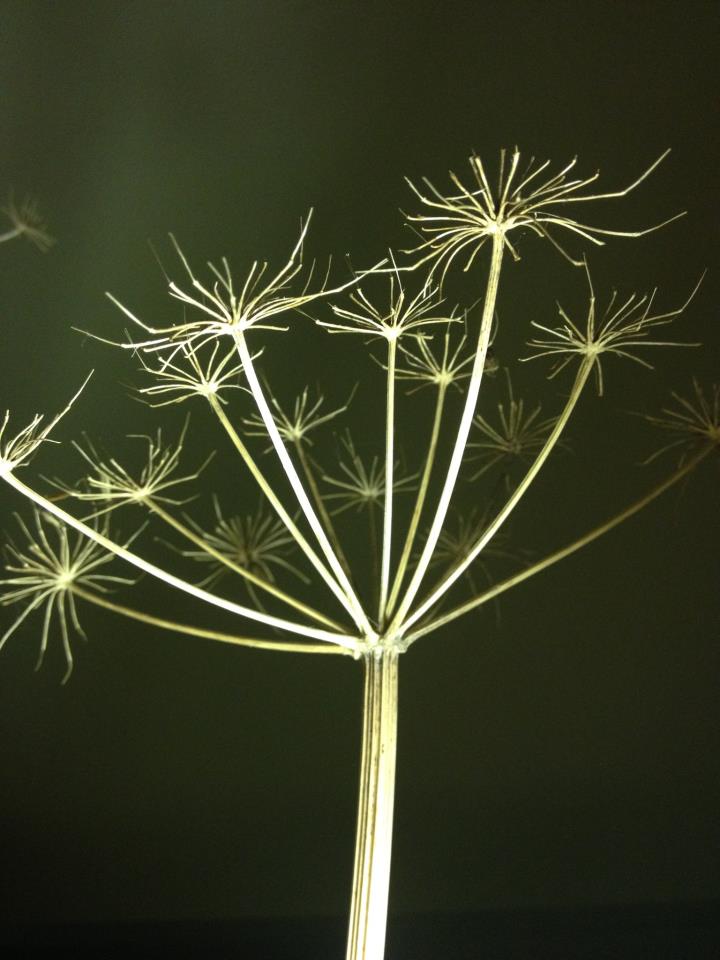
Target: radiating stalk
580, 380
277, 506
169, 579
389, 478
248, 575
192, 631
563, 552
339, 574
10, 234
373, 843
317, 497
463, 430
420, 499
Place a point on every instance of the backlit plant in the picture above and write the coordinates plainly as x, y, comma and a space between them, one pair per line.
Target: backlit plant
414, 572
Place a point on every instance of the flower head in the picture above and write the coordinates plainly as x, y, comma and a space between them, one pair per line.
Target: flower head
294, 427
113, 485
426, 367
46, 572
17, 450
27, 222
188, 376
220, 308
256, 542
693, 423
362, 485
515, 434
458, 539
399, 316
623, 329
458, 224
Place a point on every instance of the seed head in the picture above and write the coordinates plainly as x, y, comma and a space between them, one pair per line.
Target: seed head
45, 571
694, 422
529, 197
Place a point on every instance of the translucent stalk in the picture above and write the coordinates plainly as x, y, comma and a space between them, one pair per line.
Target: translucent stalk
389, 471
265, 585
170, 579
420, 499
291, 473
278, 507
373, 843
560, 554
192, 631
580, 380
10, 234
322, 509
463, 430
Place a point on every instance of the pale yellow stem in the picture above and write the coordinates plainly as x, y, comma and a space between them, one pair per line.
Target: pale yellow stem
192, 631
193, 537
389, 481
490, 531
563, 552
420, 499
373, 843
277, 506
319, 503
462, 434
352, 603
170, 579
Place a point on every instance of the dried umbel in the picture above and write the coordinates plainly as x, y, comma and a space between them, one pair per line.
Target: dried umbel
306, 585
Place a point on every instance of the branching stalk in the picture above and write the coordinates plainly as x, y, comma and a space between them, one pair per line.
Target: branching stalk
277, 506
420, 499
320, 503
563, 552
580, 380
498, 247
201, 632
169, 578
389, 469
357, 612
248, 575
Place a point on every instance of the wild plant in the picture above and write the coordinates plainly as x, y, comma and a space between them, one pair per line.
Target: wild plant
302, 582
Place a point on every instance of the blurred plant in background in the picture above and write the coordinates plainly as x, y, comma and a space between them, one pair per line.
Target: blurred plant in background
308, 579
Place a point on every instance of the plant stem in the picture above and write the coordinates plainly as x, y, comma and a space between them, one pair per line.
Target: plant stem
192, 631
373, 843
10, 234
563, 552
169, 579
389, 471
306, 465
252, 578
463, 430
580, 380
339, 574
277, 506
420, 500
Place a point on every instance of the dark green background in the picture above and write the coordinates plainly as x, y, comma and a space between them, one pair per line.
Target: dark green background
567, 755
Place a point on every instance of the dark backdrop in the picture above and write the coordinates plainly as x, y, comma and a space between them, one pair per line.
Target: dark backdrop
564, 753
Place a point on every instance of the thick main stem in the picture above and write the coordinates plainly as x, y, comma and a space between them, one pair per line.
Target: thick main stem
371, 879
